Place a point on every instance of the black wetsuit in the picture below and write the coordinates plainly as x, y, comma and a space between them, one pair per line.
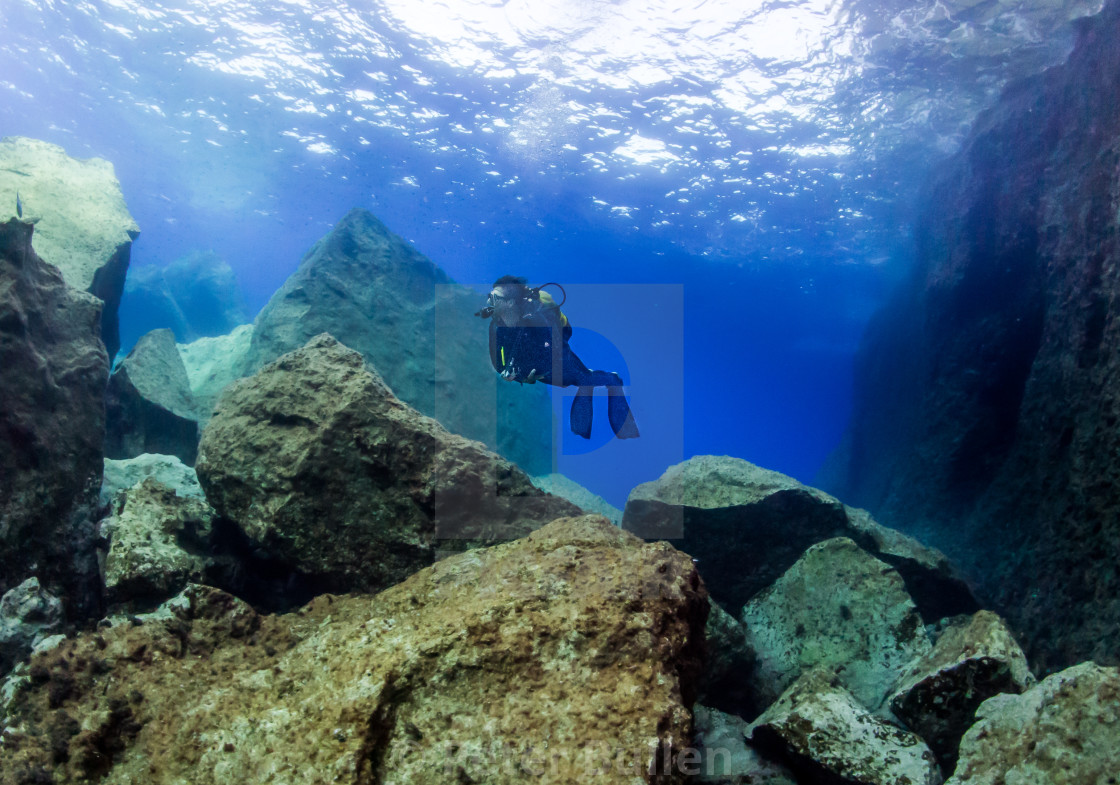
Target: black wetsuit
539, 342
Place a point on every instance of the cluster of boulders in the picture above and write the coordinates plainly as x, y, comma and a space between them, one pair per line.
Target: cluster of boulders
343, 589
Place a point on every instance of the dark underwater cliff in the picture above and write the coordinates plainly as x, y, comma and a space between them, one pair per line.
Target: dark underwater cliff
988, 392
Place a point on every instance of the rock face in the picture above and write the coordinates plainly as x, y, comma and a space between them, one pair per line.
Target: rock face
52, 423
568, 656
82, 225
1062, 731
323, 468
165, 469
376, 294
195, 297
987, 402
747, 525
149, 406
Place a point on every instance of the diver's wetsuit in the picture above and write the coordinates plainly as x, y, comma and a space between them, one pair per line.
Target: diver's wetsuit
539, 342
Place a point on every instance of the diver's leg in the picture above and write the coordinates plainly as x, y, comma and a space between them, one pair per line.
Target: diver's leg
619, 415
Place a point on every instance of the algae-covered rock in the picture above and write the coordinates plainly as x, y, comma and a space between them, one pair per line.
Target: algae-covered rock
828, 736
1063, 731
158, 542
149, 406
326, 471
53, 371
82, 225
166, 469
747, 525
559, 485
726, 683
27, 616
971, 661
567, 656
841, 609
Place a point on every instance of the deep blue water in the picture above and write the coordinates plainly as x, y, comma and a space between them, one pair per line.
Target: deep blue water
734, 181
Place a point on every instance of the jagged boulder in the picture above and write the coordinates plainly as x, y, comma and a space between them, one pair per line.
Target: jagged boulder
973, 659
213, 364
165, 469
1063, 731
149, 407
158, 542
52, 424
82, 225
378, 295
723, 756
559, 485
840, 609
567, 656
828, 736
195, 297
324, 469
747, 525
27, 616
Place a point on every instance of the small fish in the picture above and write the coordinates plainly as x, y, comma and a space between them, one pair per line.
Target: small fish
19, 206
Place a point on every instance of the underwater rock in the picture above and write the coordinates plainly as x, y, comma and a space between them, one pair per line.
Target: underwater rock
987, 394
972, 660
159, 542
82, 225
1063, 730
165, 469
52, 424
196, 296
827, 736
725, 683
378, 295
325, 470
212, 364
149, 406
568, 656
839, 608
27, 615
724, 757
747, 525
559, 485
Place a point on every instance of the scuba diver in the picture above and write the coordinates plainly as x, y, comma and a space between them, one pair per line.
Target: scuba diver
529, 343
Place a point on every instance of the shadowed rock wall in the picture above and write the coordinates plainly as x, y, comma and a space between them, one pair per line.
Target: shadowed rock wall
988, 393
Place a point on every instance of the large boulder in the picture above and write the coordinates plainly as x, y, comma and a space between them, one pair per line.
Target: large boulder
82, 225
52, 424
747, 525
149, 406
723, 756
1061, 732
568, 656
378, 295
195, 297
328, 472
838, 609
986, 415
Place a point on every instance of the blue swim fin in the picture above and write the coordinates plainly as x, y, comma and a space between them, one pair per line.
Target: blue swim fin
582, 409
618, 412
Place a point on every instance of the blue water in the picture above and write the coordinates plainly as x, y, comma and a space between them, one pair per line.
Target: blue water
761, 159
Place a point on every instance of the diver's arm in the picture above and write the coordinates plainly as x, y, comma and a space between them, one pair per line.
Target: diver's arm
494, 359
